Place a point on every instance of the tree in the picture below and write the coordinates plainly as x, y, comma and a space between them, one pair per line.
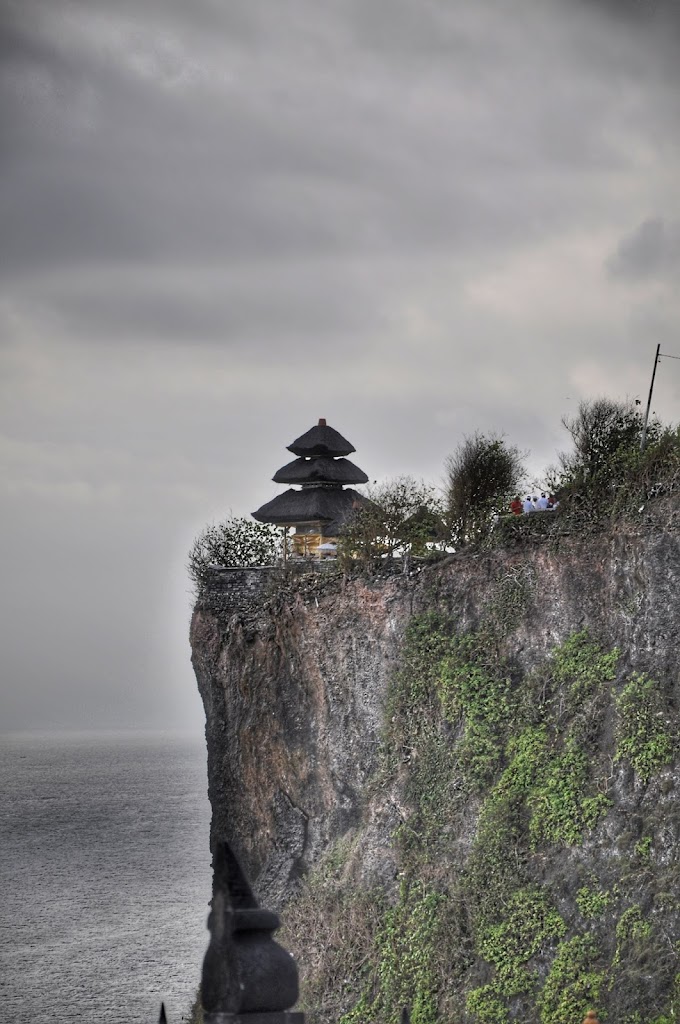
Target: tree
401, 515
482, 476
605, 466
606, 437
234, 542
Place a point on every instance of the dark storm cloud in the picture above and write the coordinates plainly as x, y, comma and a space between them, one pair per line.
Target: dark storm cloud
222, 221
123, 159
658, 14
225, 307
651, 250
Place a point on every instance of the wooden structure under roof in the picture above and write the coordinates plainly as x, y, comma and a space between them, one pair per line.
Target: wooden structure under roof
324, 503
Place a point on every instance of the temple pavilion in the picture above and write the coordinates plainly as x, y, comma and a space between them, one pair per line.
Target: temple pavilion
323, 504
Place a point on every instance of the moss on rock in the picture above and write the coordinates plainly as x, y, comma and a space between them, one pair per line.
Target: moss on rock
506, 906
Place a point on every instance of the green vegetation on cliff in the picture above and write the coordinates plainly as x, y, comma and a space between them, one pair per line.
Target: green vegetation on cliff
509, 780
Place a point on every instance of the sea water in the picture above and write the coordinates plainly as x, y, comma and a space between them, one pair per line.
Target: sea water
104, 877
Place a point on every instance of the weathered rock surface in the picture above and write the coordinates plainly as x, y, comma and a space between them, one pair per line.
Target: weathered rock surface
294, 676
294, 690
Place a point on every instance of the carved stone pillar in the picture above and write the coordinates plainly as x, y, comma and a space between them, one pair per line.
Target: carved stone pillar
247, 977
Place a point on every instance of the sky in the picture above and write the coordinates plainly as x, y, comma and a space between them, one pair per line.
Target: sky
220, 222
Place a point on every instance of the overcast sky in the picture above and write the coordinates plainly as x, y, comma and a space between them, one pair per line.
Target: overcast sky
220, 221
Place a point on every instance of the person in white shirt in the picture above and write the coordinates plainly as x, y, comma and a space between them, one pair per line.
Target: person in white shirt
527, 504
542, 502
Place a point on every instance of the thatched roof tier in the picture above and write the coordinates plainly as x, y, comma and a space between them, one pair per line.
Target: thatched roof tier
313, 504
321, 440
338, 471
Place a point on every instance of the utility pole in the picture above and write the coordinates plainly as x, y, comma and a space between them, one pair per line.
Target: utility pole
649, 400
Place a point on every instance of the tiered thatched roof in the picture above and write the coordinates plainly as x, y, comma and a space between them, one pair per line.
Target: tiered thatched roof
313, 504
302, 471
322, 471
321, 440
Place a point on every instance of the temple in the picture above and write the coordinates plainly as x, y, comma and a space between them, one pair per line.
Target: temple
324, 503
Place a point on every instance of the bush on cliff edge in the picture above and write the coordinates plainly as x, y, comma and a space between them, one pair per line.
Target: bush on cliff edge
236, 543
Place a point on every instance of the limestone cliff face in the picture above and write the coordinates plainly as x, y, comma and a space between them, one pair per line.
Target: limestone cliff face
296, 677
294, 689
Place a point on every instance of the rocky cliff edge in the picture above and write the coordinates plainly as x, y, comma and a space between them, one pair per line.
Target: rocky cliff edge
461, 783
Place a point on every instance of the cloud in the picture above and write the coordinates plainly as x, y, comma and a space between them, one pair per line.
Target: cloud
226, 305
310, 134
652, 250
222, 222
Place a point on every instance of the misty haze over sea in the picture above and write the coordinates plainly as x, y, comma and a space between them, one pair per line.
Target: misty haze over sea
105, 876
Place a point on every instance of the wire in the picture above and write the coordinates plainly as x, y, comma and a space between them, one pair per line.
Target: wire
662, 355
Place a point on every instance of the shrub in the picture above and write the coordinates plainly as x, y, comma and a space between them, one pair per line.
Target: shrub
644, 730
401, 515
605, 467
482, 475
234, 542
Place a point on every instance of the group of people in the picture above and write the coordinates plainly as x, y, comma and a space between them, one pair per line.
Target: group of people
545, 503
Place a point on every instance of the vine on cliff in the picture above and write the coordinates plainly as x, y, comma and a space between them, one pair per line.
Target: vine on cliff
511, 771
645, 730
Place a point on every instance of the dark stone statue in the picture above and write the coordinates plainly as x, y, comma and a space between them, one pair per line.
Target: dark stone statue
247, 977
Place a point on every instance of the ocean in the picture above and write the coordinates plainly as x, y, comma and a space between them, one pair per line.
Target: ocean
104, 877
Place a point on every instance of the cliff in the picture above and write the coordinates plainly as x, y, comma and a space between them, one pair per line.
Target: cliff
461, 783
